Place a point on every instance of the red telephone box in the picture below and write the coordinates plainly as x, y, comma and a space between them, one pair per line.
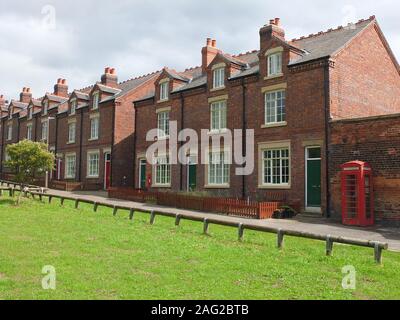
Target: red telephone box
357, 194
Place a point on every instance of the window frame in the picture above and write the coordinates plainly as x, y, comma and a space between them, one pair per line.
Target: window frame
222, 116
92, 121
273, 64
89, 174
73, 107
67, 175
29, 131
9, 132
95, 100
70, 125
262, 166
45, 124
45, 107
224, 170
163, 133
164, 90
275, 107
158, 179
219, 78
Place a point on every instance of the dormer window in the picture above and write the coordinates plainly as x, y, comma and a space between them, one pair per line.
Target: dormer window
73, 107
164, 91
275, 64
95, 102
45, 107
219, 78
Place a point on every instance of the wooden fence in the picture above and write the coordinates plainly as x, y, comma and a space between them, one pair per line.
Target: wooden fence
241, 227
232, 207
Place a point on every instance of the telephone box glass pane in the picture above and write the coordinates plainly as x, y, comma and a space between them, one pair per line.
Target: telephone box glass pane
368, 196
351, 196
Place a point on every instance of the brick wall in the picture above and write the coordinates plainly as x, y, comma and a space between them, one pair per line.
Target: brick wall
375, 140
365, 80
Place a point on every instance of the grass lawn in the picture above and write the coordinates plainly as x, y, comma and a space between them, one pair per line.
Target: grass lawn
98, 256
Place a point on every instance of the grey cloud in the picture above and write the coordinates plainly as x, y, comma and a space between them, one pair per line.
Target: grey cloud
141, 36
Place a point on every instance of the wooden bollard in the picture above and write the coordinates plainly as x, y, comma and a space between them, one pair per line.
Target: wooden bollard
50, 198
240, 231
131, 213
205, 226
152, 217
1, 192
329, 246
178, 220
76, 203
10, 192
280, 238
378, 253
115, 210
95, 206
62, 201
40, 197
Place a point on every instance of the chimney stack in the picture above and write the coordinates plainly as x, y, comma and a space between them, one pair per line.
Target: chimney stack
109, 78
268, 31
208, 53
61, 88
26, 95
2, 102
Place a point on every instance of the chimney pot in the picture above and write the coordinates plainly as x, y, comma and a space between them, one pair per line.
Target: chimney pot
272, 21
64, 81
107, 70
208, 42
214, 43
277, 21
59, 80
28, 89
112, 70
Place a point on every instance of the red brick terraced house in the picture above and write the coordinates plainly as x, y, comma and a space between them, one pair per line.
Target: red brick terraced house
313, 104
95, 128
10, 126
293, 93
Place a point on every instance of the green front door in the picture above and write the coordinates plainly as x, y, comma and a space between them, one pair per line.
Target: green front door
192, 177
142, 174
313, 177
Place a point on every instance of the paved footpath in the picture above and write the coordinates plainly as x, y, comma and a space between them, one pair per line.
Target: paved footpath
301, 223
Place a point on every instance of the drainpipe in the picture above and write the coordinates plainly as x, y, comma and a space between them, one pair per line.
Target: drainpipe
2, 146
112, 145
80, 148
244, 125
181, 142
134, 147
327, 134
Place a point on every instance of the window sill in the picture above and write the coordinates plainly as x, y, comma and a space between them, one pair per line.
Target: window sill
275, 186
162, 138
217, 186
217, 132
161, 186
93, 139
70, 178
274, 125
273, 76
163, 100
217, 89
69, 143
92, 177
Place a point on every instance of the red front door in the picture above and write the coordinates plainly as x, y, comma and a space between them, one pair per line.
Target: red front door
107, 173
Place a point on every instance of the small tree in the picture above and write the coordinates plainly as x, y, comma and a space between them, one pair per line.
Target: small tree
28, 159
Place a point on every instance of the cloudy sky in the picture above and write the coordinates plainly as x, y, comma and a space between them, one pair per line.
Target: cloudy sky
41, 41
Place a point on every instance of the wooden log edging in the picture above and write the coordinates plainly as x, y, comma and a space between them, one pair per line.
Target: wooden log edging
241, 227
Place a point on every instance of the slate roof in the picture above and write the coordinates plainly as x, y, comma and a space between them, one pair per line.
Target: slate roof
328, 43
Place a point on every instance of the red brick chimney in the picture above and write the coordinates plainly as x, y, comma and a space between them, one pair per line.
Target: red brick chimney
26, 95
272, 29
61, 88
208, 53
109, 78
2, 102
